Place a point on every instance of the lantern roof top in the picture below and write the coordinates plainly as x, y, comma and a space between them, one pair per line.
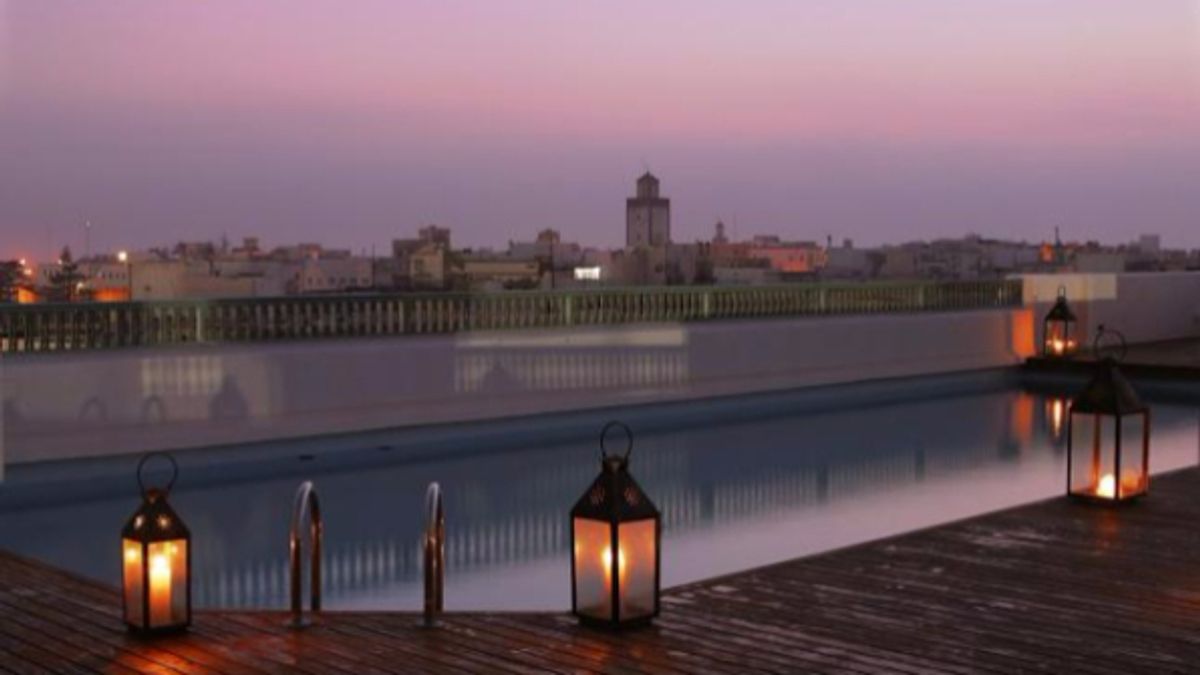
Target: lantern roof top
1108, 393
1061, 311
155, 520
614, 495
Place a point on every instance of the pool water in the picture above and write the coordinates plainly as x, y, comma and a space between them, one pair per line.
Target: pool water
733, 496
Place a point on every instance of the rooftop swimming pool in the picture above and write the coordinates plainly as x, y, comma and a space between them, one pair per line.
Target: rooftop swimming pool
734, 495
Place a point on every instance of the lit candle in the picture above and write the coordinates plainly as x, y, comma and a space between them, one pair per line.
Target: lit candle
607, 558
160, 588
1107, 487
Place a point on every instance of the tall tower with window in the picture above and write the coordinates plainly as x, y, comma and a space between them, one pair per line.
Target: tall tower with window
648, 215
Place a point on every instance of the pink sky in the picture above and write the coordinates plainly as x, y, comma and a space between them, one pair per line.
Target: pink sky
354, 122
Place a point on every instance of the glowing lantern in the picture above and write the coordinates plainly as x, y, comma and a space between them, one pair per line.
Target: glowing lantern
616, 539
1108, 439
157, 562
1058, 329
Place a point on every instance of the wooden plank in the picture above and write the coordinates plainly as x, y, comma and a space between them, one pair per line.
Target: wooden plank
24, 657
348, 631
1049, 587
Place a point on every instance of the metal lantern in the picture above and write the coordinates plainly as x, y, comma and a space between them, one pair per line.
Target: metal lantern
616, 542
1058, 329
1108, 438
157, 561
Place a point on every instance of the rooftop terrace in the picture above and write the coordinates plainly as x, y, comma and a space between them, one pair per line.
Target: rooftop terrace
1050, 587
1055, 586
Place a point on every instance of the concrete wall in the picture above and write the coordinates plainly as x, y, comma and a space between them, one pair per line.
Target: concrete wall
1145, 307
103, 403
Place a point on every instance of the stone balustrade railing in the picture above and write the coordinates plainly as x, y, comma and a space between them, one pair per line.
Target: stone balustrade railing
92, 326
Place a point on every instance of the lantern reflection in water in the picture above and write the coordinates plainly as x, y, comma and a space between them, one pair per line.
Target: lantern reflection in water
1056, 418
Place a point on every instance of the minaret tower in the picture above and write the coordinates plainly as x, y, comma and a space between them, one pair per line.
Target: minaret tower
647, 216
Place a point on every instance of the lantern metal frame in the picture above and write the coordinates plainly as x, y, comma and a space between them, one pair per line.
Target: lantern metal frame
614, 498
155, 522
1060, 315
1109, 395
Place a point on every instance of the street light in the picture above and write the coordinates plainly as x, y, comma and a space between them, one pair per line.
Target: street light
123, 258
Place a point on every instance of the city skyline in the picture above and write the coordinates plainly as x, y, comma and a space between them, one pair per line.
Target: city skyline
354, 127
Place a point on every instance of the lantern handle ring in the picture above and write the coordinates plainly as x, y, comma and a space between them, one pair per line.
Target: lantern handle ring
1062, 291
1101, 331
151, 455
628, 436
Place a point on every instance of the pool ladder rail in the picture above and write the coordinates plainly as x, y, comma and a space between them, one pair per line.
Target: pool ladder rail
305, 504
434, 549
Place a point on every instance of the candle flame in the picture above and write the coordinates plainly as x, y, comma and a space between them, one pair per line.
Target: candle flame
1107, 487
160, 567
606, 556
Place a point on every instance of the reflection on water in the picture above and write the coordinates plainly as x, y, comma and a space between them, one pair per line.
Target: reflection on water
1056, 418
536, 371
732, 497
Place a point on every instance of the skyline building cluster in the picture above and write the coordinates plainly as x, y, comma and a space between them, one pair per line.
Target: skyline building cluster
430, 262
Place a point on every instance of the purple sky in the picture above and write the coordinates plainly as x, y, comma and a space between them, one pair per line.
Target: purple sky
351, 123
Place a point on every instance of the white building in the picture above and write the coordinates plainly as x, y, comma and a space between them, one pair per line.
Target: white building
334, 275
847, 262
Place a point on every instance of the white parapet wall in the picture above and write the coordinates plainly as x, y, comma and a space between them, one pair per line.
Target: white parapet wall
100, 403
1145, 307
92, 404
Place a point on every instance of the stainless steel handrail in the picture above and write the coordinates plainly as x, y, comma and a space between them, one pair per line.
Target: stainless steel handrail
305, 504
434, 545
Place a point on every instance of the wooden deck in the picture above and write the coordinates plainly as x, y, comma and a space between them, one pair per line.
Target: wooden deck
1056, 587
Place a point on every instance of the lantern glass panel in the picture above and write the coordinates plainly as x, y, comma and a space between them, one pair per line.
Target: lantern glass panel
637, 567
1058, 338
593, 563
167, 567
1093, 462
1134, 472
132, 557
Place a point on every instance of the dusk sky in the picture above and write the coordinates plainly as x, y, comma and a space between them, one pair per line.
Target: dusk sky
352, 123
